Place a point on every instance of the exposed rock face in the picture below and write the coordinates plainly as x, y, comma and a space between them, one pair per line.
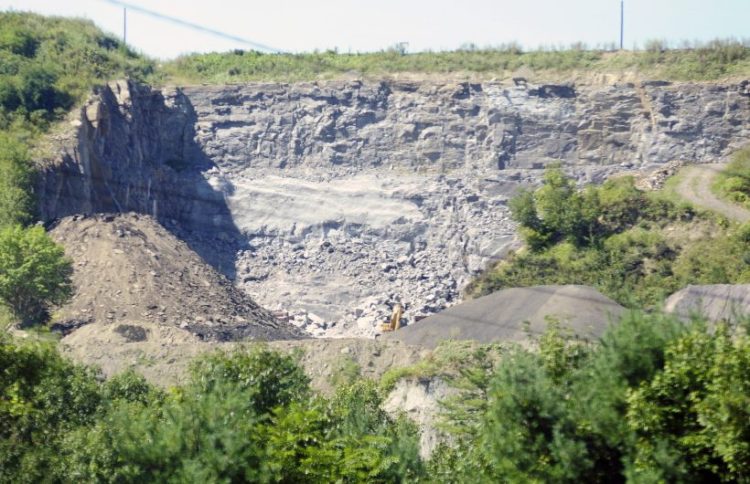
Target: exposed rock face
133, 151
717, 302
420, 399
489, 125
336, 199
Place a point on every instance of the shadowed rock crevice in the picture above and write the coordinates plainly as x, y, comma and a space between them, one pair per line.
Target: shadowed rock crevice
134, 150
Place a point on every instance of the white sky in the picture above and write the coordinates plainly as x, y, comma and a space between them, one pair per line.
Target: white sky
360, 26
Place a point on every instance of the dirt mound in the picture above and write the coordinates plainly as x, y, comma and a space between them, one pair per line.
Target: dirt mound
163, 354
513, 314
129, 269
717, 302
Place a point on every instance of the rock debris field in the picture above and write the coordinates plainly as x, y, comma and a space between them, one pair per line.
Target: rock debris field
334, 256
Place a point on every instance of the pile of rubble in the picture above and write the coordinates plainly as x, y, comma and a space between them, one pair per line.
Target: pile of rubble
340, 276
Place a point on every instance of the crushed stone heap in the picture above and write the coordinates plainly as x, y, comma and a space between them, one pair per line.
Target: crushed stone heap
515, 314
129, 269
717, 302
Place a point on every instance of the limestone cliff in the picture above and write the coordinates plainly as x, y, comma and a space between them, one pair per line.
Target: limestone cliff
490, 125
133, 150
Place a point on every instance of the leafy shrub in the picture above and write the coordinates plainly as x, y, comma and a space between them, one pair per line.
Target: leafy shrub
269, 378
610, 237
16, 204
556, 413
691, 420
42, 397
733, 183
34, 273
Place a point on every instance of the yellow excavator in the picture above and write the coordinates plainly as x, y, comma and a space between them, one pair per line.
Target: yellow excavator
395, 321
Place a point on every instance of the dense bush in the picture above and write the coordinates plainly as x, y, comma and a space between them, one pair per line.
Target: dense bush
656, 401
42, 398
47, 63
612, 237
733, 182
34, 273
58, 423
16, 204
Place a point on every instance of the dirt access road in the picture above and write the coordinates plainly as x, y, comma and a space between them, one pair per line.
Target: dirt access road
696, 188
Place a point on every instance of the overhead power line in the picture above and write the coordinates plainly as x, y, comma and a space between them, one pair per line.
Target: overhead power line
190, 25
622, 24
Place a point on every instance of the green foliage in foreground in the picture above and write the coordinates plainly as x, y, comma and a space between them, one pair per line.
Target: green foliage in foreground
34, 273
16, 203
613, 237
656, 401
244, 417
733, 183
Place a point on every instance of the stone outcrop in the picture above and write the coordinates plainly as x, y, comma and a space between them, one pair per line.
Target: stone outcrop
476, 126
133, 150
329, 201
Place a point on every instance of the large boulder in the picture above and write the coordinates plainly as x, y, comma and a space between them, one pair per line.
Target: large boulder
515, 314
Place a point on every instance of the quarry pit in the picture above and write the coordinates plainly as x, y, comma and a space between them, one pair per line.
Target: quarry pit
328, 202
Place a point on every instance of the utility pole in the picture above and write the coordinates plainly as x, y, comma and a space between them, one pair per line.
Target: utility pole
125, 26
622, 24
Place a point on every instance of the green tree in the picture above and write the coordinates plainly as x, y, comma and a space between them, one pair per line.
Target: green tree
43, 397
692, 419
557, 212
16, 202
34, 273
270, 378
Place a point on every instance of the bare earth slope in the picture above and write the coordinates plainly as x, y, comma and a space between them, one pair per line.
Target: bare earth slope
129, 269
511, 314
696, 188
164, 353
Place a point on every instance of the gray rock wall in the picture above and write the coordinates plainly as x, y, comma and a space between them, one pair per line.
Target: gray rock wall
141, 149
490, 125
133, 149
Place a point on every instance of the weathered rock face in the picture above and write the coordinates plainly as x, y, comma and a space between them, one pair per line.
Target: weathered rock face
489, 125
420, 399
332, 200
134, 150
